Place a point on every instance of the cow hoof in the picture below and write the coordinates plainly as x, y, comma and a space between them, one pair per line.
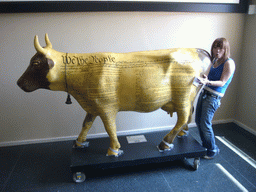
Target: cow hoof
81, 145
164, 146
116, 153
183, 134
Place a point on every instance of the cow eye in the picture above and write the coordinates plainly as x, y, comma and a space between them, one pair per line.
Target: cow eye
36, 63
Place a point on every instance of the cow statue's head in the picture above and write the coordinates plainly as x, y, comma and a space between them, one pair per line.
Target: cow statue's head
35, 76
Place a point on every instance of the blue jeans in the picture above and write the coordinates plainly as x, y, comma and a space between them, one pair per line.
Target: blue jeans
205, 109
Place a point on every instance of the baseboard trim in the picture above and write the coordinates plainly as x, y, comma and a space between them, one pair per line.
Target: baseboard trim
223, 121
249, 129
245, 127
36, 141
119, 133
90, 136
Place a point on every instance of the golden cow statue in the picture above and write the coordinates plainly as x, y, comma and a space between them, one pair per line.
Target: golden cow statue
106, 83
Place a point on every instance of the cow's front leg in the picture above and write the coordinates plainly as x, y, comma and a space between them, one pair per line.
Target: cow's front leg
88, 121
166, 144
109, 121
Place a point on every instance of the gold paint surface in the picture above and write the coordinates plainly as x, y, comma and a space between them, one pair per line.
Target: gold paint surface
137, 81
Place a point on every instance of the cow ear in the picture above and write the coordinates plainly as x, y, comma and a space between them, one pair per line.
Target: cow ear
50, 63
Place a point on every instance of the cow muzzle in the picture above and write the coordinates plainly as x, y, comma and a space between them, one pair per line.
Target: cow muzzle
26, 85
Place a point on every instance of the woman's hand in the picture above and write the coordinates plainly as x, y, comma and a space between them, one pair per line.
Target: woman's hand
204, 80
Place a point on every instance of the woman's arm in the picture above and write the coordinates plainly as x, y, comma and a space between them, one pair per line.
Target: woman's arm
228, 70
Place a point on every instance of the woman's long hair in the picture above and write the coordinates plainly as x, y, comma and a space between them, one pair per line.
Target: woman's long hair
223, 44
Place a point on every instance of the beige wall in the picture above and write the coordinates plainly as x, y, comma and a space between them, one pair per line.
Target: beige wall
43, 114
246, 100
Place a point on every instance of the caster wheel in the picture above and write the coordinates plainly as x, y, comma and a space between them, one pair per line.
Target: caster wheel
79, 177
196, 163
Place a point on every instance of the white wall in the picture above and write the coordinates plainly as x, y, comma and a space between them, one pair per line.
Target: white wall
43, 114
246, 108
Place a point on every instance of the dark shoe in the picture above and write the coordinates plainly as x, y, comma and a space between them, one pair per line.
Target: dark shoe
212, 156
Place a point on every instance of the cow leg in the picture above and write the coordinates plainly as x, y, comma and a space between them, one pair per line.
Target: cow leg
169, 108
184, 131
109, 121
183, 116
88, 121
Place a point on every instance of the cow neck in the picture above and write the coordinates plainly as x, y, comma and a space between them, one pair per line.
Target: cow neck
68, 101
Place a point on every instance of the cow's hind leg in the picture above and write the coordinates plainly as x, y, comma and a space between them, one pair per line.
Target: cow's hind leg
184, 131
183, 116
109, 121
88, 121
169, 108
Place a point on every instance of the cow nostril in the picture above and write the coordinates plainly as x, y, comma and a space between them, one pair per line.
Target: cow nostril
19, 83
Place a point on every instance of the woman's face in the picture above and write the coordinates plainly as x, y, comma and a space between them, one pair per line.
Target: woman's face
218, 51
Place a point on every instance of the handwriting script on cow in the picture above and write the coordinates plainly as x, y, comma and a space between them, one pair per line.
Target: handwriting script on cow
80, 60
109, 60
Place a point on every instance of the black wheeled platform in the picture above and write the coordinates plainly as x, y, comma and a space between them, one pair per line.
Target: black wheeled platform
138, 149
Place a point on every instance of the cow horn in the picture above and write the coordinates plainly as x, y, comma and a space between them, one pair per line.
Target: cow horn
38, 46
47, 41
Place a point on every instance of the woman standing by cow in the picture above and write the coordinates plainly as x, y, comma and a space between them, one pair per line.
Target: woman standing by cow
216, 83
